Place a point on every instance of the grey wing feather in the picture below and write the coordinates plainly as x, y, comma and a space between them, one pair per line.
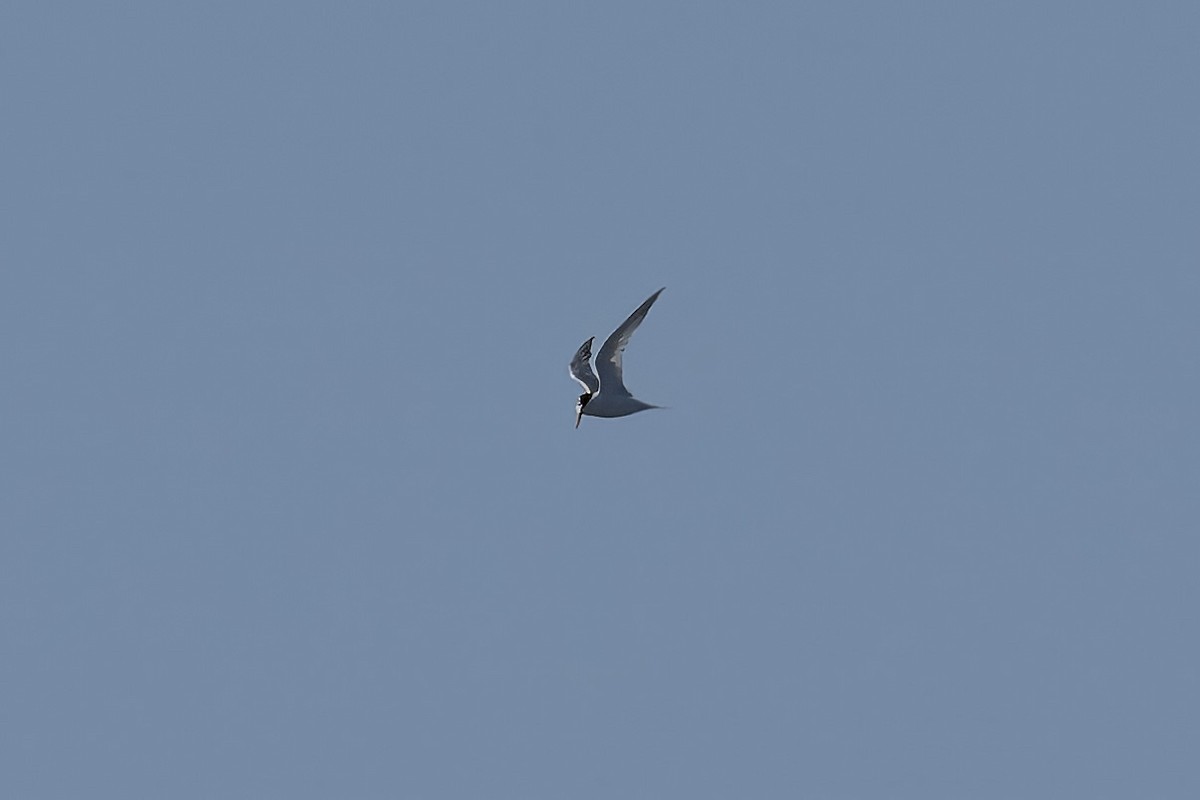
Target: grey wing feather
581, 368
608, 361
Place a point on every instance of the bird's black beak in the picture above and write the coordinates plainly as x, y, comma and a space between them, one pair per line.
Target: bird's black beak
579, 404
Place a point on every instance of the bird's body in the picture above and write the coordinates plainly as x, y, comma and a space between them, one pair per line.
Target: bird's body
607, 405
605, 395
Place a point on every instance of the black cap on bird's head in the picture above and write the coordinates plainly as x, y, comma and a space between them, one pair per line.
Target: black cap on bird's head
579, 404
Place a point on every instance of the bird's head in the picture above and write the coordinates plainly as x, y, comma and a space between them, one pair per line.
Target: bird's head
579, 404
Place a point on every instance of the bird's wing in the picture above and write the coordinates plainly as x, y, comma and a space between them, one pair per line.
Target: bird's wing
608, 361
581, 368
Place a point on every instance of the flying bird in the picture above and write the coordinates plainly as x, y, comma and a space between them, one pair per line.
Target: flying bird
606, 396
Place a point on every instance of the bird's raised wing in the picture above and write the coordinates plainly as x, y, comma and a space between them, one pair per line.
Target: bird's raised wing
581, 368
608, 361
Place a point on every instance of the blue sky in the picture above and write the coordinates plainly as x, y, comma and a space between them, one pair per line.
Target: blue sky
290, 498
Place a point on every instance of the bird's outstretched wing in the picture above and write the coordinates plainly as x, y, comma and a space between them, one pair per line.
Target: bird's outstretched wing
608, 361
581, 368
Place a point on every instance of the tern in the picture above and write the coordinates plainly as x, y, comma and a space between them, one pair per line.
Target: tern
606, 396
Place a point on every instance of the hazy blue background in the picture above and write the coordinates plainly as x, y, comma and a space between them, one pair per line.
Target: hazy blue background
291, 504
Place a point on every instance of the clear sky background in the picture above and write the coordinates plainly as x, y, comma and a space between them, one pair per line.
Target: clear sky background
291, 504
